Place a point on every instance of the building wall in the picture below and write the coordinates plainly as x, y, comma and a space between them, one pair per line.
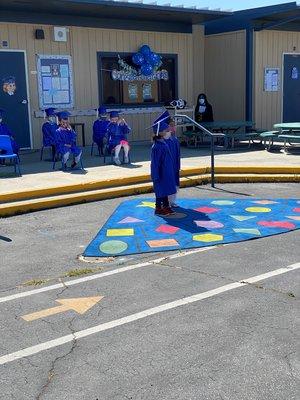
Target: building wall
225, 74
268, 52
83, 44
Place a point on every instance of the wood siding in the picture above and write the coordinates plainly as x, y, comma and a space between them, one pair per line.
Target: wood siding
83, 45
225, 74
268, 52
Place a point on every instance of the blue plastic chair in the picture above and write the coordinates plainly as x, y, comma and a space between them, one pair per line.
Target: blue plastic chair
5, 145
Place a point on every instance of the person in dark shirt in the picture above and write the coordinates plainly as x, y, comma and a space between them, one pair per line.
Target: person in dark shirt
203, 110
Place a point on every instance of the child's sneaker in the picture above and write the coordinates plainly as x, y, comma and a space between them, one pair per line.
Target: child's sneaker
169, 211
174, 205
126, 160
117, 161
74, 163
160, 211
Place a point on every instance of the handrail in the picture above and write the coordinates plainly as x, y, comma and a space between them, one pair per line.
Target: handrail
212, 143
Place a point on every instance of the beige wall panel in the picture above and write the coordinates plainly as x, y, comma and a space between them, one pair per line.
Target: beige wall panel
225, 74
268, 52
83, 45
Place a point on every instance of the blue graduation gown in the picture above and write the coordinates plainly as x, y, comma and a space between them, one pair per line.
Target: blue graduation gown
49, 130
63, 137
100, 130
4, 130
162, 169
174, 146
116, 133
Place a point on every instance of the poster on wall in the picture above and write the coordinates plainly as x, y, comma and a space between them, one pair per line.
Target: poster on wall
271, 80
55, 81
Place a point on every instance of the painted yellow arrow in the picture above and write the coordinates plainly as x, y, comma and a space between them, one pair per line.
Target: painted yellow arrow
80, 305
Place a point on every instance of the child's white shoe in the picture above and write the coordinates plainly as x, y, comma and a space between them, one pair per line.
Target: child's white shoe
174, 205
117, 161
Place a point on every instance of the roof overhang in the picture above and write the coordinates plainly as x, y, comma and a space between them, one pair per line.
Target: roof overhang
106, 14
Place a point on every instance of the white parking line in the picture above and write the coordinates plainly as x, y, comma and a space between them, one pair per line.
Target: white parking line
29, 351
100, 275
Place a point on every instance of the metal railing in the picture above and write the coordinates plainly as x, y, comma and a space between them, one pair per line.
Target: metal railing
212, 142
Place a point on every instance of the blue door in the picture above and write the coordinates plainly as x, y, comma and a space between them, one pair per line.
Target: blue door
291, 88
14, 96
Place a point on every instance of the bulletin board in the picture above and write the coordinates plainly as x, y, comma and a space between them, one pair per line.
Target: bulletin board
271, 79
55, 81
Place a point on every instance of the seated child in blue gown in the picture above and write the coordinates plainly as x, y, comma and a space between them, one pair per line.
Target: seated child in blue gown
4, 130
65, 140
117, 132
49, 129
162, 169
100, 129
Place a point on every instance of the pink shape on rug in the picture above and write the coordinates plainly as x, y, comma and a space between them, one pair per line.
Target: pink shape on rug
296, 209
207, 210
277, 224
265, 202
209, 224
130, 220
167, 229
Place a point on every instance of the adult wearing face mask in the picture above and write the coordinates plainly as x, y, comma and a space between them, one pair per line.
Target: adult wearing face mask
203, 110
49, 129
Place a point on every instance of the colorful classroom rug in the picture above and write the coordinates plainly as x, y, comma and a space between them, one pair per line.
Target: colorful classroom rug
133, 228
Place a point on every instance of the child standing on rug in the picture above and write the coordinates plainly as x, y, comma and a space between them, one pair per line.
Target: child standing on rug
174, 146
49, 129
162, 169
117, 132
65, 140
5, 131
100, 129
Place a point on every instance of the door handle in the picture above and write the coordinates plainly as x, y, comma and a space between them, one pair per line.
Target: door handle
24, 101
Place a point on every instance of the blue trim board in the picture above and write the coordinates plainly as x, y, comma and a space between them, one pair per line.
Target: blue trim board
255, 17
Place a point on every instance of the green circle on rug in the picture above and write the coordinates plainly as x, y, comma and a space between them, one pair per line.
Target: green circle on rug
178, 215
113, 247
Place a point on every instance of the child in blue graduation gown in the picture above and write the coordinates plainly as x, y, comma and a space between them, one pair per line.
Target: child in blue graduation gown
4, 130
65, 140
117, 132
100, 129
49, 129
174, 147
162, 169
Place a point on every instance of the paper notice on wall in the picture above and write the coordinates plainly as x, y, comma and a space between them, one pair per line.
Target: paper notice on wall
61, 97
55, 83
47, 97
271, 80
47, 83
64, 83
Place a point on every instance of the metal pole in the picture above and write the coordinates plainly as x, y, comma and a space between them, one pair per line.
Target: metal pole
212, 162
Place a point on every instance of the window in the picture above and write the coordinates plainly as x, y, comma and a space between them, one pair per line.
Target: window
136, 93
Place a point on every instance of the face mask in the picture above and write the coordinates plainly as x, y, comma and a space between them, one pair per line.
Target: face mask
1, 120
202, 101
167, 135
52, 119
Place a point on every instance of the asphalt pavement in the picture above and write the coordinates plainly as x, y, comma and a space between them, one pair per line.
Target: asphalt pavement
164, 326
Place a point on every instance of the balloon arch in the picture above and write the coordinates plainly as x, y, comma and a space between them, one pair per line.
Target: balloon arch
146, 67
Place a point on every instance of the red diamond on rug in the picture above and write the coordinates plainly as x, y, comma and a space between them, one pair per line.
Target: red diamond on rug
167, 229
207, 210
277, 224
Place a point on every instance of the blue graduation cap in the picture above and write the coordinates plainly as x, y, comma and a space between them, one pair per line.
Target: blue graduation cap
102, 110
50, 111
9, 79
114, 114
63, 115
161, 123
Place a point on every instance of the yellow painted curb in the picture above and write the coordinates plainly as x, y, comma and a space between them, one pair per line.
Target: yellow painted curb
21, 207
120, 182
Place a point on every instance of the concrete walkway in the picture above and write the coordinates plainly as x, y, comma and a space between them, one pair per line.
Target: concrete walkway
39, 174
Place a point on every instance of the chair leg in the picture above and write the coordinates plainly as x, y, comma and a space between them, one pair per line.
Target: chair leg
18, 165
42, 152
92, 149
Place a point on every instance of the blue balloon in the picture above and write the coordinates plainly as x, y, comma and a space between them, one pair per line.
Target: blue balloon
145, 50
146, 69
138, 59
153, 59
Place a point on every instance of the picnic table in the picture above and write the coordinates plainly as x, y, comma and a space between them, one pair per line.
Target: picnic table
289, 132
233, 130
